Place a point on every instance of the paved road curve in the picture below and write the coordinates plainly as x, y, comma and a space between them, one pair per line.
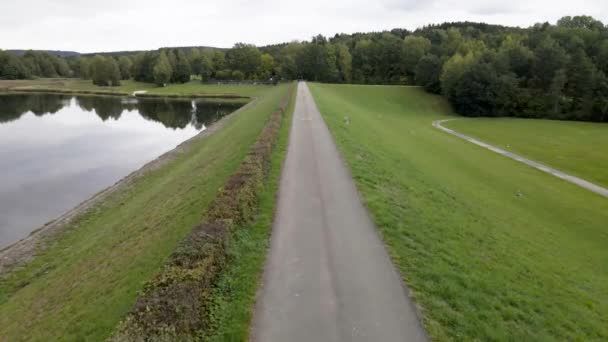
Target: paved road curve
575, 180
328, 277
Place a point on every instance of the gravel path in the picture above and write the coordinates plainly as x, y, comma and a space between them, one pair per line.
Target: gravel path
572, 179
328, 276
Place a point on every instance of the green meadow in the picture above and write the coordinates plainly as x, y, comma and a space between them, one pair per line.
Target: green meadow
579, 148
491, 248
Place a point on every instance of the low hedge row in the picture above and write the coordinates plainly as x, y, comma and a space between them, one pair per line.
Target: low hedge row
175, 304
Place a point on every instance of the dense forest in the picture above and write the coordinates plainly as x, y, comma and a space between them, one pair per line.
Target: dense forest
544, 71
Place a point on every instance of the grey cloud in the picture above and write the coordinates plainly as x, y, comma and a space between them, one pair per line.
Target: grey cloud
408, 5
93, 25
494, 9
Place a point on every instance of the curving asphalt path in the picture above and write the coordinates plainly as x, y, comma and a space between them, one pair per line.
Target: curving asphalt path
559, 174
328, 276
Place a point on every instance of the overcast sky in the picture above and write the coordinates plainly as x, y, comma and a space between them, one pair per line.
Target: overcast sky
110, 25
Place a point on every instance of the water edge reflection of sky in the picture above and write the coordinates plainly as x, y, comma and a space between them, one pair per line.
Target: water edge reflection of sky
56, 150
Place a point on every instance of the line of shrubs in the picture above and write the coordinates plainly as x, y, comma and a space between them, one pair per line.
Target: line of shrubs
175, 305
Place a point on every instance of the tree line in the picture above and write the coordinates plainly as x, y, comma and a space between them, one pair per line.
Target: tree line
32, 64
545, 71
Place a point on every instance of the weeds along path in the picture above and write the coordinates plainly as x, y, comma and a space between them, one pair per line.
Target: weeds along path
328, 276
559, 174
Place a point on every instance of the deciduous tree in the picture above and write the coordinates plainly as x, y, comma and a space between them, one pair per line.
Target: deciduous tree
162, 70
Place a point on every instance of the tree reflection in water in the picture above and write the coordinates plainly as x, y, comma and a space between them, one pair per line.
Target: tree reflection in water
13, 106
172, 113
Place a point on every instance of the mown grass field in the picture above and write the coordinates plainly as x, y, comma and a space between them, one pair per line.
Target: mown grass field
81, 286
129, 86
492, 249
579, 148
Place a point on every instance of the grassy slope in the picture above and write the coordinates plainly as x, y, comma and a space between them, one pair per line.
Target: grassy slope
578, 148
493, 249
88, 279
237, 286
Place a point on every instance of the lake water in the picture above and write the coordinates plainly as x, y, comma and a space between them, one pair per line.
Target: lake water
58, 150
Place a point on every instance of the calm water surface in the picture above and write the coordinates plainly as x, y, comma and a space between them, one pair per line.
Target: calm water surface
58, 150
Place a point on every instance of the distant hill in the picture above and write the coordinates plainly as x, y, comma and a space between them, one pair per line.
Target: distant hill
132, 52
58, 53
69, 54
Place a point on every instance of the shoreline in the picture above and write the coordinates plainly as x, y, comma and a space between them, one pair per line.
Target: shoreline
121, 93
24, 250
